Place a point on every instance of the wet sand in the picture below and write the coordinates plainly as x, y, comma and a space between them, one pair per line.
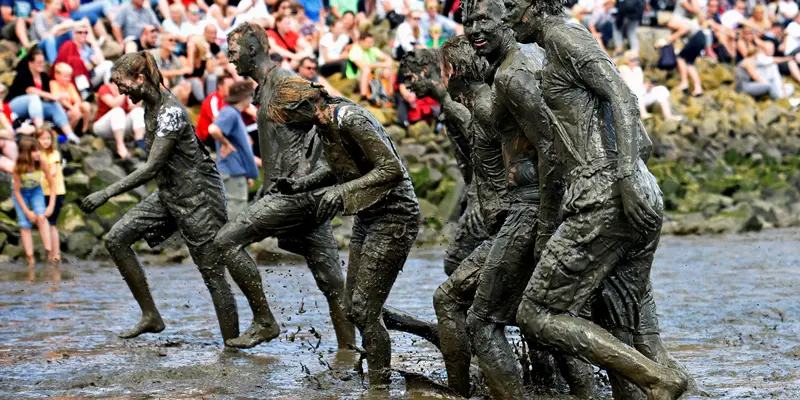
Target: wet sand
729, 309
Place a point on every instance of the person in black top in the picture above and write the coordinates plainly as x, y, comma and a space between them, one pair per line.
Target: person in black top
29, 95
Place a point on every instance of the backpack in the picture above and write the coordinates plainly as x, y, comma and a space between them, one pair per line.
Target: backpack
667, 60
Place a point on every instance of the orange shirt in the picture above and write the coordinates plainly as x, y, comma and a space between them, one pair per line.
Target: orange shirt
68, 88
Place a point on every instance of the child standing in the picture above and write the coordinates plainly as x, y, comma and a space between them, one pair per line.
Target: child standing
29, 197
78, 111
52, 157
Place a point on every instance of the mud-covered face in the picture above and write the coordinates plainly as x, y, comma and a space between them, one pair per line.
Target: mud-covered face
133, 88
239, 55
421, 82
519, 14
483, 26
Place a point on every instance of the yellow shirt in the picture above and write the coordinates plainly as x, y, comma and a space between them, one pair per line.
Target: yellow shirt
54, 162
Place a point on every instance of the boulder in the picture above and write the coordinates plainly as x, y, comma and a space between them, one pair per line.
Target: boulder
81, 243
396, 133
427, 210
379, 115
78, 183
5, 186
411, 152
97, 161
71, 219
738, 219
419, 129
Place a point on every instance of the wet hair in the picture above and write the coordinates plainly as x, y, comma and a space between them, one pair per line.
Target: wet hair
25, 162
293, 93
417, 60
132, 65
254, 32
548, 7
46, 130
457, 53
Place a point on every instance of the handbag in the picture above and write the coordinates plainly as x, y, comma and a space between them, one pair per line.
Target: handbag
667, 60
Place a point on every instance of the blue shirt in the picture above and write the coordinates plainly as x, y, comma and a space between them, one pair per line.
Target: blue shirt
22, 8
312, 8
241, 162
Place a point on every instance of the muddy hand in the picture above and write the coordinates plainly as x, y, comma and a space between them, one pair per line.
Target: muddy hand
330, 204
285, 185
639, 212
94, 200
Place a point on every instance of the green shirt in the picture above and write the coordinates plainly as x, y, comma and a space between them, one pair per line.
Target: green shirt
370, 56
345, 5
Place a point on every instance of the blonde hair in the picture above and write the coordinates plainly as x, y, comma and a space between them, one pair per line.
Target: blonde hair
292, 93
63, 68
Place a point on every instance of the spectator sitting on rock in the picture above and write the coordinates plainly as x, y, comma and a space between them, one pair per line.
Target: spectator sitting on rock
210, 107
305, 26
288, 43
759, 21
173, 25
117, 117
130, 21
50, 29
786, 11
395, 11
350, 27
205, 56
578, 16
339, 8
8, 144
308, 70
732, 18
645, 92
432, 16
17, 18
774, 36
29, 96
163, 5
148, 40
173, 68
255, 11
408, 36
222, 15
601, 23
89, 66
436, 37
791, 40
192, 25
723, 40
78, 111
368, 64
757, 75
313, 10
333, 50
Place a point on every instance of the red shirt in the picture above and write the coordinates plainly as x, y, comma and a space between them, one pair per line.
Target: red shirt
102, 107
287, 42
208, 114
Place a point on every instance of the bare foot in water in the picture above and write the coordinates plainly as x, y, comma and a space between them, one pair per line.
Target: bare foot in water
671, 388
146, 325
254, 335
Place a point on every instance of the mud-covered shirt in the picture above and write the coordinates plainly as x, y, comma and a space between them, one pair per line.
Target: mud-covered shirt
364, 171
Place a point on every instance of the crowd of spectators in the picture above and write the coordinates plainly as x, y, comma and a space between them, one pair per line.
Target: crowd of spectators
63, 76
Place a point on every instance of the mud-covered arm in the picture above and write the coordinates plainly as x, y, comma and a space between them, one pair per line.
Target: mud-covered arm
321, 177
266, 148
601, 77
159, 153
521, 95
457, 118
387, 170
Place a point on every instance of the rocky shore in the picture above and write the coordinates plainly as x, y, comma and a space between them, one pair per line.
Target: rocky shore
731, 165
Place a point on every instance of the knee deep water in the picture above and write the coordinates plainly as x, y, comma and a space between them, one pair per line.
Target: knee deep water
729, 309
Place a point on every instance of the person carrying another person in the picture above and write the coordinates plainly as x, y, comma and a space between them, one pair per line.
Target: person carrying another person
28, 197
367, 64
235, 159
130, 21
52, 157
78, 111
408, 36
29, 96
645, 92
50, 29
117, 117
334, 47
288, 43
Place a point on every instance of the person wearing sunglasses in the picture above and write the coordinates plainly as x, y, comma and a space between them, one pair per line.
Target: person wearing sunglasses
432, 16
309, 71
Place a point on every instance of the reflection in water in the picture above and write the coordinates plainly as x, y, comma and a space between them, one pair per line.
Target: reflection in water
729, 307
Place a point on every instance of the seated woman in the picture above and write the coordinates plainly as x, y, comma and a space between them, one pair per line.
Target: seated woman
29, 96
117, 117
50, 29
288, 43
204, 56
82, 53
78, 111
646, 93
408, 36
757, 75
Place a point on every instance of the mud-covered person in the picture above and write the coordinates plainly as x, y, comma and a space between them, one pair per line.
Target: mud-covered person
287, 153
364, 177
612, 211
420, 68
189, 198
463, 78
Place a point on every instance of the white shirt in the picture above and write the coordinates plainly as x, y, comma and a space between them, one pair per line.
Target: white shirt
731, 19
787, 7
404, 38
792, 37
399, 6
190, 29
335, 47
634, 77
259, 11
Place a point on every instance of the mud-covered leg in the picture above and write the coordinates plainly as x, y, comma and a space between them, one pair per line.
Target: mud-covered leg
579, 376
399, 320
322, 256
501, 370
207, 259
451, 302
148, 218
462, 244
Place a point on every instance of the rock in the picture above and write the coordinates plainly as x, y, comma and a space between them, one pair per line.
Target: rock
97, 161
124, 201
411, 152
419, 129
98, 144
112, 174
738, 219
268, 252
71, 219
450, 203
396, 133
765, 211
78, 153
5, 186
176, 255
340, 83
770, 115
435, 160
80, 244
427, 210
7, 206
379, 115
78, 183
95, 228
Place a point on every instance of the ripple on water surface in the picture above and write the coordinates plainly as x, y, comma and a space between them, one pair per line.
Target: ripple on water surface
729, 309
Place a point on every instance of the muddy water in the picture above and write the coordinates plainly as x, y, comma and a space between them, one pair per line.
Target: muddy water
730, 310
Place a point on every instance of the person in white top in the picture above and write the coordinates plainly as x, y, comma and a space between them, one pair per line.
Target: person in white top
791, 40
333, 50
408, 36
787, 10
253, 11
645, 92
192, 25
735, 16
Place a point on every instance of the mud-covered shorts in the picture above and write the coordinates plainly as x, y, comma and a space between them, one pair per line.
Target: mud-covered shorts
156, 219
460, 286
595, 254
509, 265
463, 243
